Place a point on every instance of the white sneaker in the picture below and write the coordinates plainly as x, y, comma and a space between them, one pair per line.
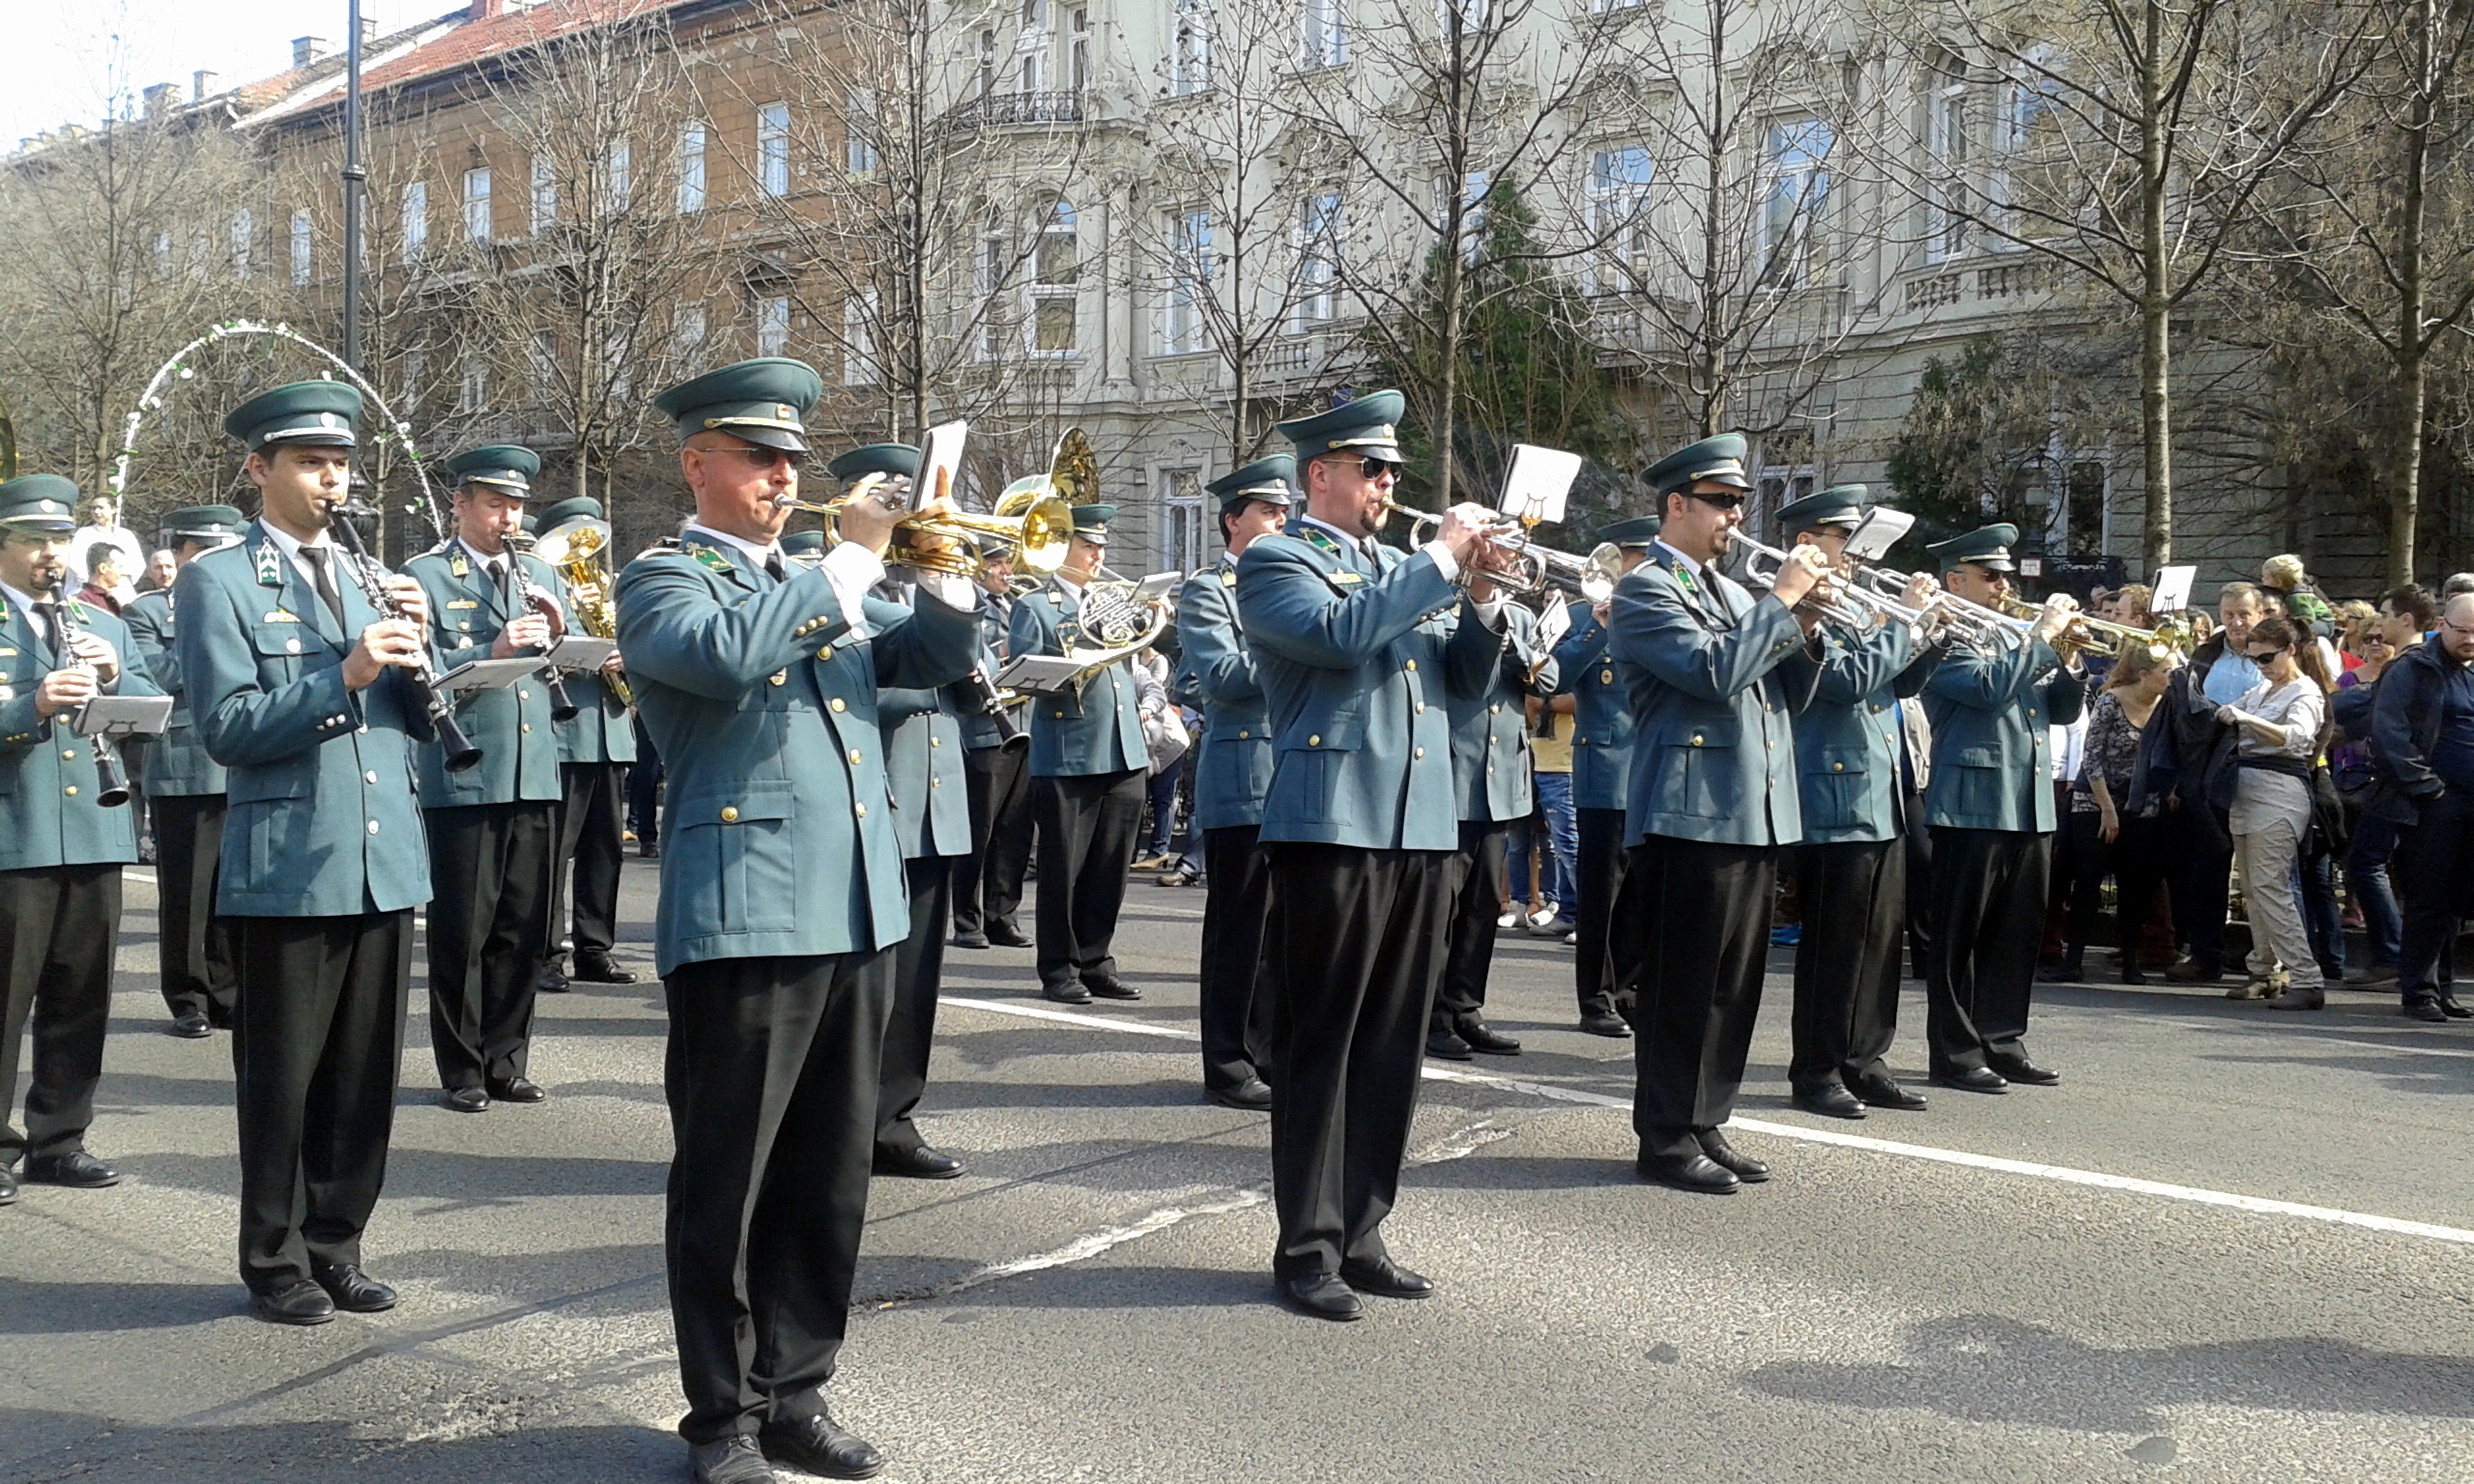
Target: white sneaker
1536, 921
1510, 919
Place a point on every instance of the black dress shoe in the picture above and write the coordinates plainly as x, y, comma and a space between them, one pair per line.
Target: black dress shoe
1726, 1156
300, 1302
553, 981
1883, 1092
599, 968
8, 1185
2451, 1007
1112, 990
918, 1162
1973, 1079
1007, 936
1447, 1044
1384, 1278
2018, 1069
1069, 993
464, 1100
2424, 1010
648, 850
970, 940
1605, 1022
191, 1027
353, 1291
76, 1169
822, 1446
1324, 1295
1251, 1096
733, 1460
1484, 1037
517, 1090
1829, 1101
1694, 1171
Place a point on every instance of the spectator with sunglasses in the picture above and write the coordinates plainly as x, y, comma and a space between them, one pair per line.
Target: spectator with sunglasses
2422, 741
2278, 726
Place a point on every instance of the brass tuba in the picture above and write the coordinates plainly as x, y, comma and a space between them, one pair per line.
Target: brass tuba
575, 547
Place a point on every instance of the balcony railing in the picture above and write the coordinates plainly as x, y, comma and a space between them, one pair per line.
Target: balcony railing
1002, 110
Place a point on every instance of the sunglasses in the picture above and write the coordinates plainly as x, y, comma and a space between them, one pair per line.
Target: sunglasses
759, 456
1726, 501
1370, 467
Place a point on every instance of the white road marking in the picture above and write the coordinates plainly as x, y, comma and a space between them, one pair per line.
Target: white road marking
2061, 1174
2312, 1039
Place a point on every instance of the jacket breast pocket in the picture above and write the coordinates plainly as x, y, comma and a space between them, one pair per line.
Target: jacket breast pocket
738, 864
293, 777
283, 640
1975, 781
1694, 775
1833, 788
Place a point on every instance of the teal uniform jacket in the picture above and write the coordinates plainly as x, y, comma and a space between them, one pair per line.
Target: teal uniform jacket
1358, 656
778, 837
1847, 741
1602, 713
602, 729
1490, 729
49, 781
511, 726
1216, 676
979, 729
177, 765
323, 818
1097, 730
1715, 679
1992, 756
924, 770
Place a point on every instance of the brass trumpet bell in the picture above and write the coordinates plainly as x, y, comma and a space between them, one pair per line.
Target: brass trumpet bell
1039, 525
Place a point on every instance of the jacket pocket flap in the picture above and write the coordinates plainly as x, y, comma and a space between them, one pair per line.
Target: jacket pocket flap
1841, 759
1706, 734
282, 640
294, 778
1978, 757
750, 799
1326, 733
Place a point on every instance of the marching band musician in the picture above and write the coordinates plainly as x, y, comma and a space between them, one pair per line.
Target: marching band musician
923, 752
1088, 769
288, 666
1850, 870
595, 746
1490, 774
782, 901
1355, 645
1714, 677
1991, 808
61, 849
493, 829
1605, 973
1216, 676
988, 882
184, 795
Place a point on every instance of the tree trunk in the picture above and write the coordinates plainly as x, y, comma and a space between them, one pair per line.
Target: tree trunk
2155, 304
2405, 477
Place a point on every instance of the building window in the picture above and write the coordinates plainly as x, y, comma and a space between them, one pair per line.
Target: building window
1028, 79
859, 132
473, 384
691, 168
1618, 216
1184, 327
245, 231
1797, 194
302, 239
1056, 273
1470, 16
1319, 260
987, 64
545, 194
1601, 7
1077, 64
1189, 56
772, 324
415, 384
1180, 492
687, 334
1945, 230
162, 254
1326, 38
541, 366
859, 340
1473, 209
617, 178
416, 214
2087, 497
773, 148
476, 207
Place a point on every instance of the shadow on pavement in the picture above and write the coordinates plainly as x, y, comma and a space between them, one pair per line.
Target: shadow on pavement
48, 1446
89, 1309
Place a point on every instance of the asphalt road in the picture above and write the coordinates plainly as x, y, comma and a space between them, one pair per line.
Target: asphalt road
2230, 1245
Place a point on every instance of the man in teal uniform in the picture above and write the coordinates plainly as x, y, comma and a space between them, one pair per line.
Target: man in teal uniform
1850, 870
782, 900
61, 850
1714, 677
1216, 676
307, 695
1357, 649
185, 794
1088, 766
988, 882
493, 829
1605, 974
1990, 804
595, 746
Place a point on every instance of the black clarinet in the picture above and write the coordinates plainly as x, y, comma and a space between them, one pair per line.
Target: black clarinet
519, 544
111, 777
461, 754
991, 704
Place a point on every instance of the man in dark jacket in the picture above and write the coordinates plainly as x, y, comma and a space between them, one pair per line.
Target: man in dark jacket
2422, 733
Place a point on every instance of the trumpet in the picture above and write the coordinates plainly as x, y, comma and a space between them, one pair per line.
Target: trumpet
2089, 632
1040, 526
1973, 621
575, 548
1837, 608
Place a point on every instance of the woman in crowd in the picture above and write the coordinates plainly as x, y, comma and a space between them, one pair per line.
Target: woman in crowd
2113, 824
2278, 725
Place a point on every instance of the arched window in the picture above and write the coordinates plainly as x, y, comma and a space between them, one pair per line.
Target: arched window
1056, 273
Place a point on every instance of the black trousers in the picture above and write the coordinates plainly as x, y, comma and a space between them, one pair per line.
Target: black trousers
593, 838
2136, 858
1701, 914
314, 1058
910, 1033
988, 882
643, 787
1235, 993
2433, 871
2200, 861
59, 930
490, 865
194, 948
771, 1079
1854, 896
1988, 894
1607, 971
1356, 943
1088, 826
1477, 902
1918, 836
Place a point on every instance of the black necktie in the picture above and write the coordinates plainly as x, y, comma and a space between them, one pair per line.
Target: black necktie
322, 577
773, 567
50, 614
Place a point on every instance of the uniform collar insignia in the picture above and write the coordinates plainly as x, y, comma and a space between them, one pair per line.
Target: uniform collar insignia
456, 564
269, 564
77, 611
1316, 536
709, 557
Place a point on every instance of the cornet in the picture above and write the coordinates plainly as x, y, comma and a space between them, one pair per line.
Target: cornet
1040, 527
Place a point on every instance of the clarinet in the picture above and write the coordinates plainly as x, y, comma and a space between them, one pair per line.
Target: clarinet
461, 754
563, 707
113, 779
991, 704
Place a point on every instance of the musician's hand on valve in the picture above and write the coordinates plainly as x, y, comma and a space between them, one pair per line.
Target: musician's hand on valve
409, 596
1919, 591
1799, 574
388, 643
97, 653
615, 664
1462, 531
870, 523
2059, 610
529, 631
65, 690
